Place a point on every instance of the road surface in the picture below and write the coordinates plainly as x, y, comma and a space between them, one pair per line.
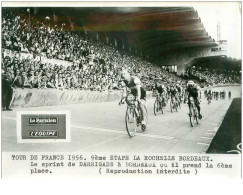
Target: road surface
100, 127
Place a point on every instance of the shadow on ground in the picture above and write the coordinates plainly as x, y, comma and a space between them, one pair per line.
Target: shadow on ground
229, 134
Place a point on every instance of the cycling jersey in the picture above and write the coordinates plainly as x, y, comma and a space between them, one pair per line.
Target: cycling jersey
134, 81
192, 91
173, 91
160, 88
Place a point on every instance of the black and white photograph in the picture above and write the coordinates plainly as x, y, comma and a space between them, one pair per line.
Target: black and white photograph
121, 79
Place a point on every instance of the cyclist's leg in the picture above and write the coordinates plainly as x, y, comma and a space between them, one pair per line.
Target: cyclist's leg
197, 104
188, 101
143, 97
172, 98
142, 108
163, 99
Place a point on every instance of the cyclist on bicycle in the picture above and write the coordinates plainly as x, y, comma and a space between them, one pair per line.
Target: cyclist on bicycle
173, 93
134, 84
209, 94
229, 94
179, 89
192, 90
168, 90
160, 88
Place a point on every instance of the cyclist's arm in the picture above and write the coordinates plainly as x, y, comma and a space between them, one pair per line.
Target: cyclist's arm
124, 90
138, 92
138, 86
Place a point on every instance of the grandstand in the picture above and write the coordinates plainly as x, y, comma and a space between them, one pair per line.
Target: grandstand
42, 48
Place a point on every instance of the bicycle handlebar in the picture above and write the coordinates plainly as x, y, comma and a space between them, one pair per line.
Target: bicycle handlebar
122, 102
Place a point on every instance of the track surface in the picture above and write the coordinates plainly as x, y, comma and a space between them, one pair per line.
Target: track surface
228, 137
100, 127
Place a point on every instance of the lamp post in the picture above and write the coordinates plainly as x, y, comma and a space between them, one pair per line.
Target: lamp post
28, 10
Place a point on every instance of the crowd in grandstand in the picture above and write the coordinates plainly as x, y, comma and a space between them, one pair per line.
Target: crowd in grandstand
211, 76
92, 65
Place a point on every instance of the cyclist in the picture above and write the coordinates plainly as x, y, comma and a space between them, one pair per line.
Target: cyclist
134, 84
161, 90
168, 91
217, 95
209, 94
192, 90
229, 94
179, 89
173, 93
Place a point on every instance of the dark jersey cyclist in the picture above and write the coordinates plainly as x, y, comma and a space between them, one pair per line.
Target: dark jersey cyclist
209, 94
162, 91
179, 88
173, 92
134, 84
192, 91
180, 91
160, 88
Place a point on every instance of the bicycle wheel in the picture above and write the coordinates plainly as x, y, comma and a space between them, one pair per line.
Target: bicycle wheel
162, 106
176, 106
156, 107
171, 105
195, 115
191, 115
179, 103
131, 121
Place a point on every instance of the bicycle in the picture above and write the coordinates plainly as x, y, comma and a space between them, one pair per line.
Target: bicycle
178, 100
193, 115
133, 117
173, 104
159, 104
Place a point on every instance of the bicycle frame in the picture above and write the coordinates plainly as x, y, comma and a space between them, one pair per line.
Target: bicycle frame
134, 111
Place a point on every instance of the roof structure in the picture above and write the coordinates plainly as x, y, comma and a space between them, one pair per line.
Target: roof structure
149, 30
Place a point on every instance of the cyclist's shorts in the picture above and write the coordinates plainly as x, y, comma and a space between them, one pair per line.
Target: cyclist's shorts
193, 94
194, 98
143, 92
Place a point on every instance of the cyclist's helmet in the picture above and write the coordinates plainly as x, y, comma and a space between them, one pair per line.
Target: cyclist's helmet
190, 83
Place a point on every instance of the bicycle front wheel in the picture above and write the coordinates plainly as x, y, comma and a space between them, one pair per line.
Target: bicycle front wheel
171, 105
179, 103
176, 106
191, 115
162, 106
156, 107
131, 121
195, 115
